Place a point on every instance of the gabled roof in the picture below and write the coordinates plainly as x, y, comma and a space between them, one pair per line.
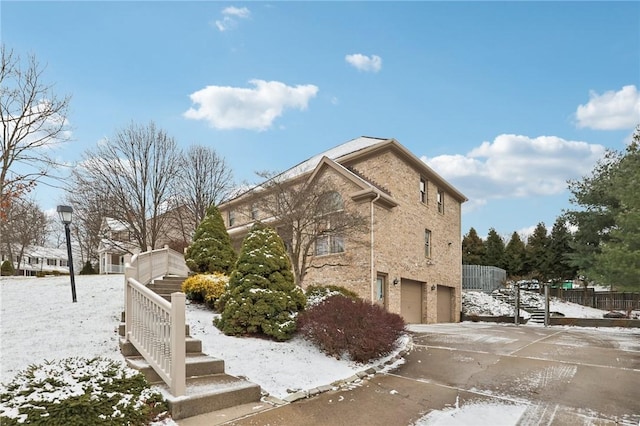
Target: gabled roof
353, 149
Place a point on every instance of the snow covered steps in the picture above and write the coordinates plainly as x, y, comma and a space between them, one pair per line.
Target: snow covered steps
208, 387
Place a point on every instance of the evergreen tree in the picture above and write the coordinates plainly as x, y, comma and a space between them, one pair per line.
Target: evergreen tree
607, 242
494, 250
262, 297
87, 269
537, 261
515, 256
473, 249
560, 250
7, 268
211, 250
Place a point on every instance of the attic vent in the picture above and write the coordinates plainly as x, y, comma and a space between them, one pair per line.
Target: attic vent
366, 179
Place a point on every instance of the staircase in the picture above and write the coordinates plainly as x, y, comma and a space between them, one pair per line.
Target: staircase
166, 285
537, 314
208, 387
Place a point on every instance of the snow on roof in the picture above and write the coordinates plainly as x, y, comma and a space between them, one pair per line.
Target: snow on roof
45, 252
308, 165
115, 224
334, 153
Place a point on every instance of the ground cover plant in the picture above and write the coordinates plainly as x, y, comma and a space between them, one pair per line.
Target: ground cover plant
356, 328
79, 391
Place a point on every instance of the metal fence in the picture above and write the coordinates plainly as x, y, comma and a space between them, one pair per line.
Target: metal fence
606, 300
482, 278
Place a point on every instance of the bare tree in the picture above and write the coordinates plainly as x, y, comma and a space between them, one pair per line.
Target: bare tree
90, 207
24, 224
32, 120
311, 218
136, 171
205, 180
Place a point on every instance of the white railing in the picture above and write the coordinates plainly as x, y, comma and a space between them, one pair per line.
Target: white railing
153, 264
112, 268
155, 327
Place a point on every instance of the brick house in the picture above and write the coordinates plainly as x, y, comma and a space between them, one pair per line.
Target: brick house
409, 259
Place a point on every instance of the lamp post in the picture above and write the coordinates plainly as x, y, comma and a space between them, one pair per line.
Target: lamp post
66, 213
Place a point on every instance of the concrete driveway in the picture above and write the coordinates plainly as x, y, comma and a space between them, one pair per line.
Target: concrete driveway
540, 376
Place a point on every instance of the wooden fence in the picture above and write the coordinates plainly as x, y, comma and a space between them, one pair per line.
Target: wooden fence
482, 278
606, 300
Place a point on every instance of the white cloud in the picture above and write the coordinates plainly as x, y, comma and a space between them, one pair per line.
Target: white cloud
514, 166
365, 63
230, 16
611, 110
239, 12
254, 108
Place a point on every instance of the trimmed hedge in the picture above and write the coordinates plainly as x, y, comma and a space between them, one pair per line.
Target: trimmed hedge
205, 288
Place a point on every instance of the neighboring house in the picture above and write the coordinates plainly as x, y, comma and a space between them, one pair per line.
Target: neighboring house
410, 258
40, 260
116, 242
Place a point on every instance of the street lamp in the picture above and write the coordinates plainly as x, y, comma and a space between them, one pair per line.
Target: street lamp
66, 213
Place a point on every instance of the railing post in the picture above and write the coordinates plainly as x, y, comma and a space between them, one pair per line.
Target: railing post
127, 301
178, 344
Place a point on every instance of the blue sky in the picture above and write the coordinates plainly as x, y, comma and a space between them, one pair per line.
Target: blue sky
507, 100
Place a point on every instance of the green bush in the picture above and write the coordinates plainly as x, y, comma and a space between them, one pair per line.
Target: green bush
262, 298
7, 268
205, 288
341, 325
79, 391
211, 250
317, 293
88, 269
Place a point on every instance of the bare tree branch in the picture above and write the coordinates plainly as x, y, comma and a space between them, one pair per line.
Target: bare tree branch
33, 120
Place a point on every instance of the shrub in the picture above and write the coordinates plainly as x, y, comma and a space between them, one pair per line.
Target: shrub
7, 268
87, 269
317, 293
262, 297
342, 326
79, 391
211, 249
205, 287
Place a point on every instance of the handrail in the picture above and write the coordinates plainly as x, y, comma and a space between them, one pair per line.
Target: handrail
155, 327
153, 264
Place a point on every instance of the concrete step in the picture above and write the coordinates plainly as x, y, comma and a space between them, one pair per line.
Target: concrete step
196, 365
210, 393
192, 346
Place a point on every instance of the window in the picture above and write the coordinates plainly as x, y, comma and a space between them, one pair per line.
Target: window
440, 200
232, 218
427, 243
330, 202
329, 244
254, 212
423, 190
64, 262
380, 285
51, 262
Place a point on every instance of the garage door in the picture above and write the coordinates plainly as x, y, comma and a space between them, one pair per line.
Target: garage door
411, 301
444, 304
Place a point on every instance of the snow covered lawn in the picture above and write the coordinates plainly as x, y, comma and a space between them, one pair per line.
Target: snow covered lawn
39, 322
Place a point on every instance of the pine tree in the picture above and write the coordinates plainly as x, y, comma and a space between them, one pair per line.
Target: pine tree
560, 251
494, 246
538, 261
515, 256
473, 249
211, 250
262, 298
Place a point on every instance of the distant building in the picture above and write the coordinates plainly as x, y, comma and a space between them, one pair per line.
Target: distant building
116, 242
39, 260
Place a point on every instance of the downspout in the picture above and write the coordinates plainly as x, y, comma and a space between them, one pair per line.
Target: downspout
373, 269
